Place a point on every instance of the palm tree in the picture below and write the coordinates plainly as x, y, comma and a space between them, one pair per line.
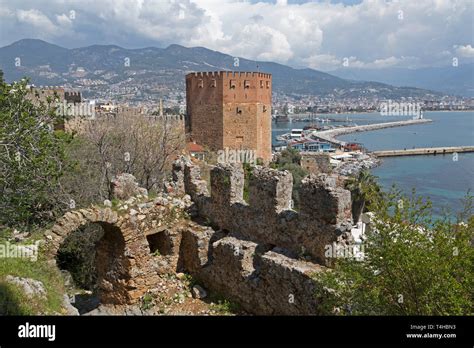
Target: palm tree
363, 187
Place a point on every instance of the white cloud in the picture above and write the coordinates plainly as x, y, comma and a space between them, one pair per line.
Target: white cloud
36, 19
315, 34
465, 51
322, 62
393, 61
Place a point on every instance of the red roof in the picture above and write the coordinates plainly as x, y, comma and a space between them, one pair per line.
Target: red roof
193, 147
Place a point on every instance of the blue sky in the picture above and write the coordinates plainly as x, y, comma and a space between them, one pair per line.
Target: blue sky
317, 34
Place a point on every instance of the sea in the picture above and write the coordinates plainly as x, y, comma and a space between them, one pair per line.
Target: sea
444, 179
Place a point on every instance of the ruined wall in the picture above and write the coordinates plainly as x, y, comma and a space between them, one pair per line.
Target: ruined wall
316, 162
40, 94
73, 96
133, 233
262, 281
260, 254
324, 216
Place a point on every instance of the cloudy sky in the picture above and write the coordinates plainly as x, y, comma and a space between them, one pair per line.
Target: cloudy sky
318, 34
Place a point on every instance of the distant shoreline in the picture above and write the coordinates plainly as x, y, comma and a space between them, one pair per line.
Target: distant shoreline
372, 112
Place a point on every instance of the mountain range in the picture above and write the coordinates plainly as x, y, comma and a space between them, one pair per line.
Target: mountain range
453, 80
154, 70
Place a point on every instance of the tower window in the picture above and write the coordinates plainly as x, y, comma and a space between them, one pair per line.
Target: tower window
268, 84
200, 83
213, 83
232, 84
238, 110
246, 84
261, 83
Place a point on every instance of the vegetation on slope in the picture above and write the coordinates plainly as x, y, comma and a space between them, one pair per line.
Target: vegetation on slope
412, 264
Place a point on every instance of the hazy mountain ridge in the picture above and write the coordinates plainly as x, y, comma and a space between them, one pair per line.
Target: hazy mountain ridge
457, 80
48, 64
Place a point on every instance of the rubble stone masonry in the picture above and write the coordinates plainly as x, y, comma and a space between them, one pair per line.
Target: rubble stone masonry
260, 254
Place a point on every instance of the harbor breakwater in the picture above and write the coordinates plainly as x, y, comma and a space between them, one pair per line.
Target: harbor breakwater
424, 151
330, 135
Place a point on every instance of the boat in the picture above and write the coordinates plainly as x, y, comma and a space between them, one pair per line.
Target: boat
353, 146
312, 127
281, 118
296, 133
283, 137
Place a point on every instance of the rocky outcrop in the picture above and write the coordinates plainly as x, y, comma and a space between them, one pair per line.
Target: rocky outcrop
125, 186
30, 287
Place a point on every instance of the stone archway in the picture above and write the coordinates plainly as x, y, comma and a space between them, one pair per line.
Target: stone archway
114, 268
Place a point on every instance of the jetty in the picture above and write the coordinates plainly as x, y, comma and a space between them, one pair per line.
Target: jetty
330, 135
424, 151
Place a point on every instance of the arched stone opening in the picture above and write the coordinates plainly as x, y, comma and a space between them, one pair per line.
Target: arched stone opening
94, 253
77, 255
99, 233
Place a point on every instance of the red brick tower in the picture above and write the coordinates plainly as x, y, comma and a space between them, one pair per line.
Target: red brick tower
230, 110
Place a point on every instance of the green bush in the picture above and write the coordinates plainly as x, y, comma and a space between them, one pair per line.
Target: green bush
412, 264
31, 158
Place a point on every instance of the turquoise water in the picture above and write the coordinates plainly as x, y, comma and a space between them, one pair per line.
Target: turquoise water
440, 178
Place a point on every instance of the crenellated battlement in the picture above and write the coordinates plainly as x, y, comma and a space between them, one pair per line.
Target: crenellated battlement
73, 96
72, 93
229, 80
270, 190
234, 74
268, 218
49, 88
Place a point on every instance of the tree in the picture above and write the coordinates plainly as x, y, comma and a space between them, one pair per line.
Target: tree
288, 156
361, 186
142, 146
412, 264
31, 157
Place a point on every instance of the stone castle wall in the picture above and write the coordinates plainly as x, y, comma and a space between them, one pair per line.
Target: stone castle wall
260, 254
73, 97
324, 216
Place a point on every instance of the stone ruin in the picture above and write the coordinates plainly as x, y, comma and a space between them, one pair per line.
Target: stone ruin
261, 254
